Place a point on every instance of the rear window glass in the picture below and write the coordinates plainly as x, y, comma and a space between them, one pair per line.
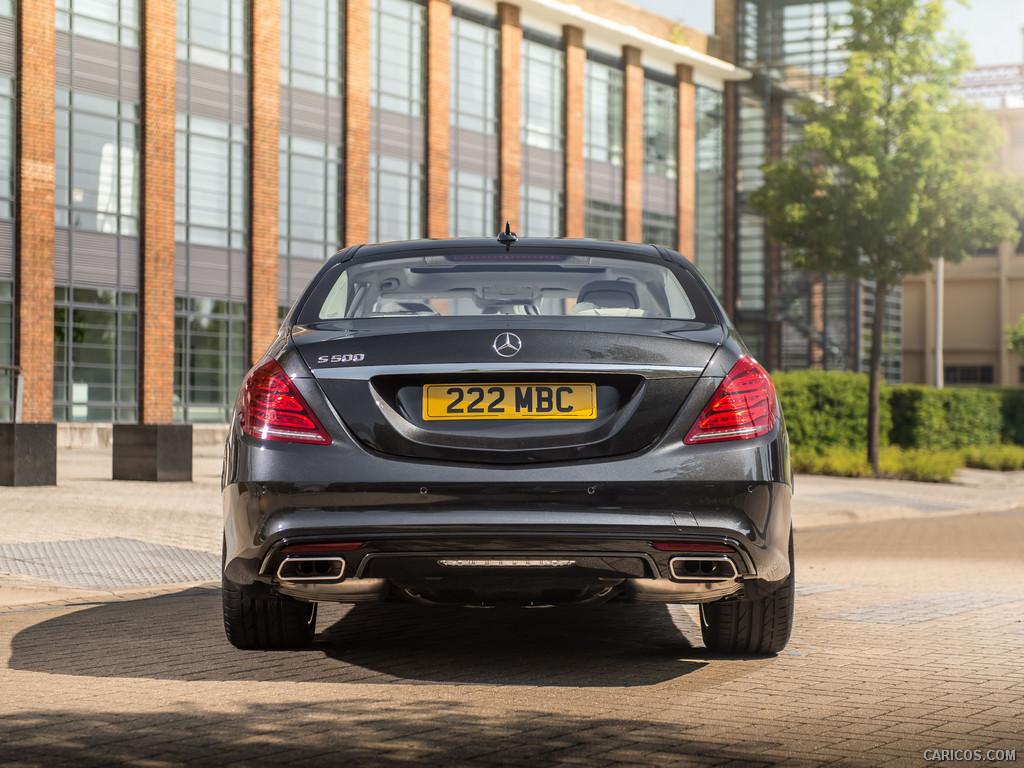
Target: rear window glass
535, 284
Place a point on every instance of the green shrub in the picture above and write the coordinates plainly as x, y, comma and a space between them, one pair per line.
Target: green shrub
913, 464
1013, 415
944, 419
1002, 458
825, 409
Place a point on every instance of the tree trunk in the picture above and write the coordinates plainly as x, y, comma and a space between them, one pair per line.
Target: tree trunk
875, 376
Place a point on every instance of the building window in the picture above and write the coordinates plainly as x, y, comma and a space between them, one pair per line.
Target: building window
661, 131
969, 374
211, 208
709, 217
7, 68
603, 120
542, 136
398, 104
209, 357
95, 375
96, 212
311, 138
473, 174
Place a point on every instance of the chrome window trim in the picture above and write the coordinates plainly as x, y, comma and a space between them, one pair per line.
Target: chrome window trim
366, 372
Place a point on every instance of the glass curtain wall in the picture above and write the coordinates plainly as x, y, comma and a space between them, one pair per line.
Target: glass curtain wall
709, 229
661, 165
7, 67
96, 210
397, 126
603, 121
542, 199
211, 200
473, 173
793, 49
312, 125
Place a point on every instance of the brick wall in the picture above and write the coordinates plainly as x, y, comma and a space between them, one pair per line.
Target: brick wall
633, 146
156, 311
575, 168
357, 121
33, 343
510, 156
264, 155
439, 14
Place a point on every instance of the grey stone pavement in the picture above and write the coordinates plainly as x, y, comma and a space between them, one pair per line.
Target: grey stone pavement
906, 650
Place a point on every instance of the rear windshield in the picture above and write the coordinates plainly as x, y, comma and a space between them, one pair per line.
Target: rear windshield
535, 284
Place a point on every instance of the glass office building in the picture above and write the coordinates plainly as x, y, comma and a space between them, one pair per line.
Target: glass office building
346, 71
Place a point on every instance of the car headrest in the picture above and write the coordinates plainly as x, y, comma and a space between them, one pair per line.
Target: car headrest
610, 293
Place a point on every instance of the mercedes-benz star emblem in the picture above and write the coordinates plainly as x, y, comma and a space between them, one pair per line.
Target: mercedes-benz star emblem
507, 344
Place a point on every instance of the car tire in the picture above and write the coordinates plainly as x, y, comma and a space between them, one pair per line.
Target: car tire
751, 627
254, 622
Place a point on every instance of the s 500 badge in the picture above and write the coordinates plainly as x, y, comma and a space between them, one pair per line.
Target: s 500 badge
356, 358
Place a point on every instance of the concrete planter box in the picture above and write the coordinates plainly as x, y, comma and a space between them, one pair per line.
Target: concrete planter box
28, 454
153, 452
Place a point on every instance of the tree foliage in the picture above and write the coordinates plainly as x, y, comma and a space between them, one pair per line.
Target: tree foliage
894, 169
1015, 336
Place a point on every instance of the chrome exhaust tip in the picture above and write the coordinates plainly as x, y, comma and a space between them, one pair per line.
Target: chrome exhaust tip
311, 569
711, 568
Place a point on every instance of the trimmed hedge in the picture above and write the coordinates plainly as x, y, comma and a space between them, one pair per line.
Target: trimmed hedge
828, 409
824, 409
944, 419
1013, 415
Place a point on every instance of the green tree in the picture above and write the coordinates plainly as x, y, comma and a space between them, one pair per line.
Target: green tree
893, 170
1015, 336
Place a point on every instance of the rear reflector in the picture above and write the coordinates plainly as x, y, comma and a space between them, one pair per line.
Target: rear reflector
691, 546
273, 409
743, 406
335, 546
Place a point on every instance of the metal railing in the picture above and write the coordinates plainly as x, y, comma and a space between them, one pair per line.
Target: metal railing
19, 389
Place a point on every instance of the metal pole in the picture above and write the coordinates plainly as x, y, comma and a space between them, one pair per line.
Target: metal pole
939, 295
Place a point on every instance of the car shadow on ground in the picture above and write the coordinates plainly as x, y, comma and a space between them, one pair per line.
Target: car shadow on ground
180, 637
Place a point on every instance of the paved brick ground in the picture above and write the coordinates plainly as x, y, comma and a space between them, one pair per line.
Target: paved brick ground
910, 628
151, 681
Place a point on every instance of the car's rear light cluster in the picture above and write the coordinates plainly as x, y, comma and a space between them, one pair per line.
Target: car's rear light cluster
743, 406
273, 409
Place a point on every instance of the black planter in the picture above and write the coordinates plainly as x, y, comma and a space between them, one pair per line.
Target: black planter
28, 454
153, 452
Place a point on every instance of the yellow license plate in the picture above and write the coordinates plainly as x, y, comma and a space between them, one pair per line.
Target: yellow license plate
509, 401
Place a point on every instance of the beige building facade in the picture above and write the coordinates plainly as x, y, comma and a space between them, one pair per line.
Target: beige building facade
981, 297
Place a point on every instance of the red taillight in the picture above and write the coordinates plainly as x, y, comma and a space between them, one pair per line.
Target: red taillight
273, 409
743, 406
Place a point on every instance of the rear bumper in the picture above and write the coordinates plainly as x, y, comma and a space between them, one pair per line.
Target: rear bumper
407, 515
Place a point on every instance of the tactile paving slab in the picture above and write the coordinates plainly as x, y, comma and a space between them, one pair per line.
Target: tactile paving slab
108, 563
914, 610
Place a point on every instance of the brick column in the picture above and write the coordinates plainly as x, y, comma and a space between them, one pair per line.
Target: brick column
357, 121
510, 157
575, 167
156, 300
33, 301
686, 152
264, 155
633, 146
155, 449
439, 14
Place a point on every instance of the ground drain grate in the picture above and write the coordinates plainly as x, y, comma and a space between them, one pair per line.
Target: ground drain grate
108, 563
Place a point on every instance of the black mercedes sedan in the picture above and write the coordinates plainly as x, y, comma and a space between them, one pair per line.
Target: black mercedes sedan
510, 422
